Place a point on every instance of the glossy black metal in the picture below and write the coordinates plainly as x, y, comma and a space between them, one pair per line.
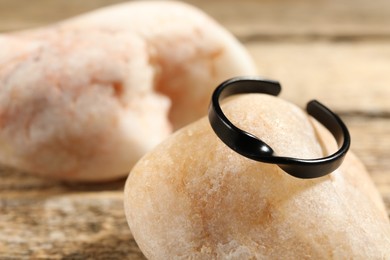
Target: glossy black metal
252, 147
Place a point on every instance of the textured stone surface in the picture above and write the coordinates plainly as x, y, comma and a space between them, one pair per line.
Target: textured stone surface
195, 198
83, 100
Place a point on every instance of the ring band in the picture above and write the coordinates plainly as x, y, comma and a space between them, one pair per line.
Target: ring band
253, 148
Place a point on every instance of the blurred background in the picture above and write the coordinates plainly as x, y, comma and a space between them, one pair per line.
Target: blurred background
336, 51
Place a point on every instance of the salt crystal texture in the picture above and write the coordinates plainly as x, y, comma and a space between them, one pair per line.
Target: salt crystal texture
84, 99
194, 198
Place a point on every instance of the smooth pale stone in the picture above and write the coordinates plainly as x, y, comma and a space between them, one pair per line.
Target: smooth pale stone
84, 99
194, 198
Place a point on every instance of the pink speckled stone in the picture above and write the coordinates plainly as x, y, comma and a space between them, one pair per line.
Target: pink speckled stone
84, 99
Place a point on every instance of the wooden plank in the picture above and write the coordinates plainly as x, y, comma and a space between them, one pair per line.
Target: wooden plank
350, 78
286, 19
250, 20
22, 14
43, 219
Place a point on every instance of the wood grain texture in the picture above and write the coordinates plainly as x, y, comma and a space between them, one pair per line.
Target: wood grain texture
352, 78
249, 20
335, 51
43, 219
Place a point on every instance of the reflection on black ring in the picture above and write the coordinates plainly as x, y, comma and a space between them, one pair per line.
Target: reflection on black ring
252, 147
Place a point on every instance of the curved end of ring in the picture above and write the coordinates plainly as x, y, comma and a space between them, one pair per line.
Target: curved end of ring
253, 148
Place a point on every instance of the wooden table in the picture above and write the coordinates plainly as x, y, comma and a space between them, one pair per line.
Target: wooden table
335, 50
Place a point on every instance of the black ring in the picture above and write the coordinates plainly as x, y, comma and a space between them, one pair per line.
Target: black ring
252, 147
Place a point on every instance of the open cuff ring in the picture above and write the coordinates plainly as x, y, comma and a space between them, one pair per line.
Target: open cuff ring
252, 147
